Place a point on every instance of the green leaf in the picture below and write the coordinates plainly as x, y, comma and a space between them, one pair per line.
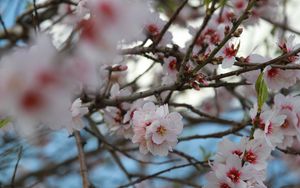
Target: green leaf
4, 122
261, 90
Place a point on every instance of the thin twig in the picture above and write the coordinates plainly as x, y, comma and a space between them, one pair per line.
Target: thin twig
16, 167
203, 114
289, 151
161, 172
4, 27
227, 37
189, 51
81, 157
259, 66
139, 76
36, 15
215, 135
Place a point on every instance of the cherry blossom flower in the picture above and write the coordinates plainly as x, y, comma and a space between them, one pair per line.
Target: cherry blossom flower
239, 5
252, 76
289, 106
170, 68
75, 14
226, 148
264, 9
214, 182
277, 79
209, 38
153, 25
256, 153
134, 106
228, 53
225, 17
253, 152
240, 164
155, 129
114, 116
289, 46
111, 25
114, 119
233, 172
77, 111
268, 125
85, 75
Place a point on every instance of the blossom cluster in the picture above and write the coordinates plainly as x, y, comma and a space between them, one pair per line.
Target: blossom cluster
244, 164
275, 77
279, 125
222, 22
152, 127
239, 165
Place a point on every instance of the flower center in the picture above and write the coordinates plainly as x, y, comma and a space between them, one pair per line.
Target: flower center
118, 118
285, 124
270, 129
47, 78
153, 29
172, 65
288, 107
161, 130
272, 72
88, 30
250, 157
239, 4
234, 175
32, 100
283, 47
224, 185
107, 10
230, 51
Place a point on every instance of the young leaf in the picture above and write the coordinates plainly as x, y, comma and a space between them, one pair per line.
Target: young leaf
261, 90
4, 122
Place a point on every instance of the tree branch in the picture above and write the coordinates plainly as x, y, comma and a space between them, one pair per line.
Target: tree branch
81, 157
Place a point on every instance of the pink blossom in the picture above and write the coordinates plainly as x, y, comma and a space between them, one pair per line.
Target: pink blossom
226, 148
239, 164
277, 79
155, 129
114, 116
252, 76
268, 125
256, 153
77, 111
228, 52
170, 68
233, 172
288, 105
153, 25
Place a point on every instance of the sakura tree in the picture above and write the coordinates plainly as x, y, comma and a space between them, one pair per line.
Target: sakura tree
157, 93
